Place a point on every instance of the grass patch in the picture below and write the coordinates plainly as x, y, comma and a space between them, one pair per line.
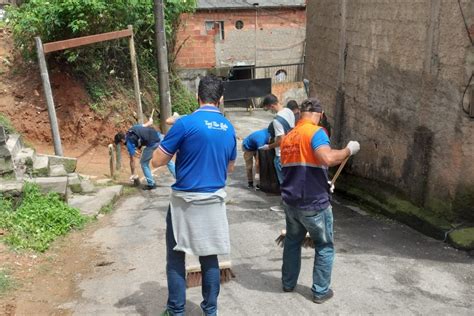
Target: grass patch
38, 220
6, 282
107, 208
129, 190
7, 124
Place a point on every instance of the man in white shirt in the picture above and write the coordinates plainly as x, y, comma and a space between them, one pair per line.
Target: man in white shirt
283, 122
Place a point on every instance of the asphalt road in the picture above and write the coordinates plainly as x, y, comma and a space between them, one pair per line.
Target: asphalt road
381, 266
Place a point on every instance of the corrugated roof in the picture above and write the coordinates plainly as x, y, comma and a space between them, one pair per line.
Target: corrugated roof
242, 4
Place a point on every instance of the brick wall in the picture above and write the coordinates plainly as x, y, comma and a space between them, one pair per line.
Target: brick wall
400, 68
279, 38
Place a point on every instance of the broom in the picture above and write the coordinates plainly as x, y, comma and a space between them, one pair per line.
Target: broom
194, 274
307, 241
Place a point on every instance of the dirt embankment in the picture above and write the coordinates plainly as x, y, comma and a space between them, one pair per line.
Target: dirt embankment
22, 100
84, 133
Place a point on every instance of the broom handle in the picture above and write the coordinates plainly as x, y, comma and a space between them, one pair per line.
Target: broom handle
338, 172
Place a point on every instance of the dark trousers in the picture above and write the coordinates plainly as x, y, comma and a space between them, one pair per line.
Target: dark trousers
176, 274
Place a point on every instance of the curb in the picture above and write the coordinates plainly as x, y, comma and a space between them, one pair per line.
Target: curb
381, 200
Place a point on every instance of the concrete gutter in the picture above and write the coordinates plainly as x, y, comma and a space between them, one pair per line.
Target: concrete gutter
384, 201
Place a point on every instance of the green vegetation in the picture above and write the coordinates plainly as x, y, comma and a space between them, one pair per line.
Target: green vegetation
107, 208
105, 65
38, 220
182, 100
381, 199
463, 238
5, 282
5, 122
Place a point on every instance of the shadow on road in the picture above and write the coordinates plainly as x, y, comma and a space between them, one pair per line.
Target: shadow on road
151, 300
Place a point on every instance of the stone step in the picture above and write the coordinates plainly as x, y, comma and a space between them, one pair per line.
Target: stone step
52, 184
68, 163
40, 166
74, 183
14, 144
6, 163
11, 188
26, 156
91, 204
57, 171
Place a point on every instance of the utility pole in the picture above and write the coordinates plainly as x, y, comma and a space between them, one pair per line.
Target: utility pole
162, 60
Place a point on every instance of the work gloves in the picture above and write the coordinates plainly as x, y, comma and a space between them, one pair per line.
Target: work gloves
264, 147
331, 187
353, 147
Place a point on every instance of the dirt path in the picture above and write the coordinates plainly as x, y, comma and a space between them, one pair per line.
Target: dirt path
43, 280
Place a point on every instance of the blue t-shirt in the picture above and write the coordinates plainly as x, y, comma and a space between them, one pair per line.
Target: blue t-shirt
204, 143
256, 139
320, 138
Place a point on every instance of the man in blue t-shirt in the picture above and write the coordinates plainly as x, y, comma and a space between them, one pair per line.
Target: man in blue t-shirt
138, 136
250, 146
205, 146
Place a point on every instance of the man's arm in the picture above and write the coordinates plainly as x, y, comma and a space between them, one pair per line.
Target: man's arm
160, 158
132, 165
333, 157
231, 166
149, 123
276, 143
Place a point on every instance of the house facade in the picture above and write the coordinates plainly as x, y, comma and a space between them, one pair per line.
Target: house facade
398, 77
242, 36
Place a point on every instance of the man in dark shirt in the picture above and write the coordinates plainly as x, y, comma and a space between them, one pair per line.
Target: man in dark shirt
138, 136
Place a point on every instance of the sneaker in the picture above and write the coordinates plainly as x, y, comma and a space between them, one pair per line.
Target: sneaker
250, 185
257, 187
277, 208
149, 187
166, 313
324, 298
288, 289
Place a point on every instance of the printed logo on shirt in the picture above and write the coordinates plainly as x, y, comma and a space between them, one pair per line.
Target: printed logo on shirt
217, 126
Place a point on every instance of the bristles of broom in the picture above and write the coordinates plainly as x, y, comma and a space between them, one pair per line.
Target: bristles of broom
194, 274
280, 239
307, 241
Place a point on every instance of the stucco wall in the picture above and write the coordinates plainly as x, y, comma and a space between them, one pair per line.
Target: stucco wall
391, 74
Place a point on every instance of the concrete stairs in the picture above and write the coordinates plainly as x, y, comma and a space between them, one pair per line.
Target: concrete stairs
52, 174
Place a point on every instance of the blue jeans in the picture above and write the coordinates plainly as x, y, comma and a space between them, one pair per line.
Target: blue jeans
147, 154
279, 173
176, 274
319, 224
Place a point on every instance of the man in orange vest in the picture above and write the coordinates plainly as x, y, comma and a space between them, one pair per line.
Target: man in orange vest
305, 156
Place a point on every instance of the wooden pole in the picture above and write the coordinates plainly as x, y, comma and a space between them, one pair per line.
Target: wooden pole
58, 151
118, 157
162, 60
111, 160
136, 82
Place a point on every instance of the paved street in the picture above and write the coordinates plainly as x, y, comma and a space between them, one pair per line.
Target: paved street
381, 266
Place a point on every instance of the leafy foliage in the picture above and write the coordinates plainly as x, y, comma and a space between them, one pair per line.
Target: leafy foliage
5, 122
39, 219
182, 100
97, 64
